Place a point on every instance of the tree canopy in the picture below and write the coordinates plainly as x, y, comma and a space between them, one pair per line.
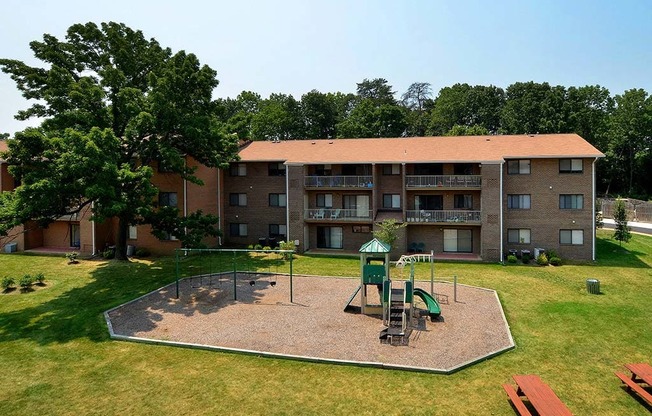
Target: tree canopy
114, 104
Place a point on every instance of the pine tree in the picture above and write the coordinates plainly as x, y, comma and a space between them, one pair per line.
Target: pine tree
622, 232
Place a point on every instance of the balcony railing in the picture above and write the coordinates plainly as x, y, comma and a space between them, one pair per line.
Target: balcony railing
338, 182
444, 216
337, 214
443, 181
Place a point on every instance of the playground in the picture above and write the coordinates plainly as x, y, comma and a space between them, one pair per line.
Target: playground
302, 317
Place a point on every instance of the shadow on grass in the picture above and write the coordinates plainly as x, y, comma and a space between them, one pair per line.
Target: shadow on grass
78, 312
612, 254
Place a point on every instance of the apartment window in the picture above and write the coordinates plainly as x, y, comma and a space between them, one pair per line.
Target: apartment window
428, 202
167, 199
238, 169
325, 200
463, 201
518, 167
518, 236
391, 201
276, 169
237, 229
572, 237
518, 201
361, 229
571, 201
277, 200
394, 169
570, 166
463, 169
329, 237
278, 230
429, 169
323, 170
133, 232
238, 200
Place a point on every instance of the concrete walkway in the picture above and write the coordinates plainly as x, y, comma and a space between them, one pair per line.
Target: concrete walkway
639, 227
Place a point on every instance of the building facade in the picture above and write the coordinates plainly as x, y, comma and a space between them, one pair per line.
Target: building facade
472, 197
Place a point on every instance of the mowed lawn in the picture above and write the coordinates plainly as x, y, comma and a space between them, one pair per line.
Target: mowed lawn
56, 356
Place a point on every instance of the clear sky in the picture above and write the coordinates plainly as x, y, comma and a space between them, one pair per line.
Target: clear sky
330, 45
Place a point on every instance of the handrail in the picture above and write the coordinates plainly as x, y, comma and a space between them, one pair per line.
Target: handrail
444, 181
443, 216
337, 214
340, 181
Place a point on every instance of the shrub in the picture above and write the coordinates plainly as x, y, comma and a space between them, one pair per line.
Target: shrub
555, 261
258, 247
72, 257
550, 254
511, 259
143, 252
7, 283
25, 282
286, 245
542, 260
525, 258
109, 253
40, 278
250, 247
267, 249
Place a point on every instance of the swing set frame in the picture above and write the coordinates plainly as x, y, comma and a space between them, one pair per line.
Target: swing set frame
182, 252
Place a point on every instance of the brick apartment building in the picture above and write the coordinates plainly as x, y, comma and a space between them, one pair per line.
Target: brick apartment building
476, 196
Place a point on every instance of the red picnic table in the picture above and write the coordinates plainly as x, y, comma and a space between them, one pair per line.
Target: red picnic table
540, 395
641, 374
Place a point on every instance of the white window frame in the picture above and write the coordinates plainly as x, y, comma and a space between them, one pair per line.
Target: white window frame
524, 167
394, 201
243, 230
241, 200
574, 166
571, 201
281, 200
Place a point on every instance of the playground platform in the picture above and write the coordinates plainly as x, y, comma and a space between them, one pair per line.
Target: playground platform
314, 327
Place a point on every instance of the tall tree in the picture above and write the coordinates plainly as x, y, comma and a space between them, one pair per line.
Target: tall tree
370, 120
238, 113
417, 100
319, 113
464, 105
377, 90
630, 142
114, 103
531, 107
279, 118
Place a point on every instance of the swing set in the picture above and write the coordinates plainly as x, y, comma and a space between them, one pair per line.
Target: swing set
207, 267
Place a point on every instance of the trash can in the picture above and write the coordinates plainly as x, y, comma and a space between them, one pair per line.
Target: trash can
539, 251
11, 247
513, 252
131, 250
593, 286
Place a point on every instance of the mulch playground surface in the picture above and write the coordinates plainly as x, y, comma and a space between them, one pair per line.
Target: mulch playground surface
314, 325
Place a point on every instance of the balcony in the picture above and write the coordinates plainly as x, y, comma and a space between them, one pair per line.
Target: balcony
330, 214
443, 181
443, 216
338, 182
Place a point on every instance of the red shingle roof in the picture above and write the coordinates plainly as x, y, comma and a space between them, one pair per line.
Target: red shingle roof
489, 149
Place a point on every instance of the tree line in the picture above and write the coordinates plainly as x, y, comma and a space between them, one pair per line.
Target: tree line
620, 126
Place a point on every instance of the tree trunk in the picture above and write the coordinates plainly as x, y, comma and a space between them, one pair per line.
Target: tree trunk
121, 243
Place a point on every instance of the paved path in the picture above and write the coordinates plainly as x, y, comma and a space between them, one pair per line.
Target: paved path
639, 227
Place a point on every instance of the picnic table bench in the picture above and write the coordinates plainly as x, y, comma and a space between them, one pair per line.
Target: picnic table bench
641, 374
539, 394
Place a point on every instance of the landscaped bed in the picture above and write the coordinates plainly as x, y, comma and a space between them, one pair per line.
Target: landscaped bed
314, 326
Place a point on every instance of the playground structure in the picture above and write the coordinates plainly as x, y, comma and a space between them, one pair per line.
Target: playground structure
211, 267
396, 300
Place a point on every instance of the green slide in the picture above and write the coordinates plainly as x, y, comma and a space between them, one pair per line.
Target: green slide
433, 306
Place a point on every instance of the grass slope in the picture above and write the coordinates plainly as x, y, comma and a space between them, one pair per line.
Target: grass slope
56, 357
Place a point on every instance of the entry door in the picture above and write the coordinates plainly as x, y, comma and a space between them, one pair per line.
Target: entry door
450, 240
362, 206
74, 236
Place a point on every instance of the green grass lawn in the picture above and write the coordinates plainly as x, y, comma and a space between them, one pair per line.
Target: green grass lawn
56, 356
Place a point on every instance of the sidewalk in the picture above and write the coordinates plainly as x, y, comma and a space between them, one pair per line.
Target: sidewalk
632, 224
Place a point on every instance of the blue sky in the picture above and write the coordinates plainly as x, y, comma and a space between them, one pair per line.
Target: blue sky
330, 45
